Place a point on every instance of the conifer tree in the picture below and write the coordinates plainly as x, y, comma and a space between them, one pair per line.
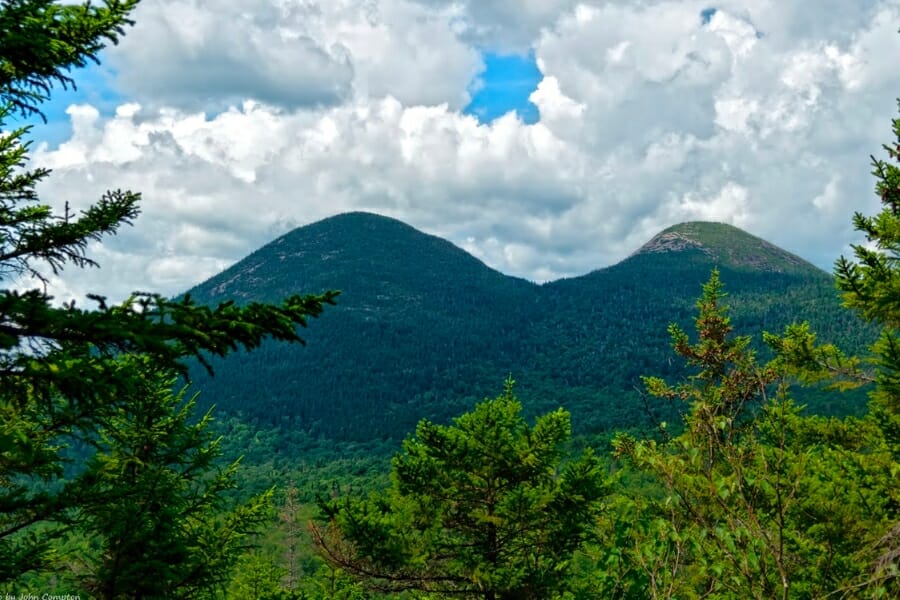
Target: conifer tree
158, 518
871, 283
756, 500
61, 378
871, 286
482, 508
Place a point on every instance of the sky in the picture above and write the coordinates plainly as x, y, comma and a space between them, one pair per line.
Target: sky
548, 138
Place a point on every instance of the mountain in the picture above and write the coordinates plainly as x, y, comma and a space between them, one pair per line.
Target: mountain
423, 329
410, 267
726, 245
414, 314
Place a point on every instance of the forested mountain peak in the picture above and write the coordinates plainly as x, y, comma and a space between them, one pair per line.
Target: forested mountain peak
357, 253
727, 245
422, 329
350, 251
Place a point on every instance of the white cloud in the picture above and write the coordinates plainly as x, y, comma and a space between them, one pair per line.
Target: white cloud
215, 187
556, 109
291, 53
763, 117
188, 52
728, 205
740, 35
682, 115
508, 26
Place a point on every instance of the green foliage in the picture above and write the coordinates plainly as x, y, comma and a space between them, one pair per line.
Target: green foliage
43, 40
754, 500
284, 564
258, 576
158, 521
871, 282
799, 355
728, 378
63, 379
870, 286
332, 583
424, 330
484, 507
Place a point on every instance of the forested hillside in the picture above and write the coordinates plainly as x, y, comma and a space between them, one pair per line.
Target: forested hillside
424, 330
524, 470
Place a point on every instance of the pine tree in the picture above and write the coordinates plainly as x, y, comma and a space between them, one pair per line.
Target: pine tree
871, 286
871, 283
480, 508
756, 500
61, 378
158, 517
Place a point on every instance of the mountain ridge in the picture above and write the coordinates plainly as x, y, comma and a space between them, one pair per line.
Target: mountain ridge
423, 329
689, 235
742, 249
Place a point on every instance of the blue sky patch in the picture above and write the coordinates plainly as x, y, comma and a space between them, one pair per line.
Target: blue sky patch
505, 84
93, 88
707, 14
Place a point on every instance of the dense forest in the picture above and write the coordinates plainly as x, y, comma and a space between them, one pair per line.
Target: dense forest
424, 330
756, 458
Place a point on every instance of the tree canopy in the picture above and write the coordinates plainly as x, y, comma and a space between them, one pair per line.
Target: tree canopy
756, 500
104, 469
61, 374
485, 507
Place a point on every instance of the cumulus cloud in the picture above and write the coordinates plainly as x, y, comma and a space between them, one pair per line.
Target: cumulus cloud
186, 52
507, 26
761, 114
216, 187
291, 53
742, 118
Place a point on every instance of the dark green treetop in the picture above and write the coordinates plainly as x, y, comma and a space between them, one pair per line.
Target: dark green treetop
60, 376
483, 508
754, 500
871, 286
871, 283
43, 40
158, 524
